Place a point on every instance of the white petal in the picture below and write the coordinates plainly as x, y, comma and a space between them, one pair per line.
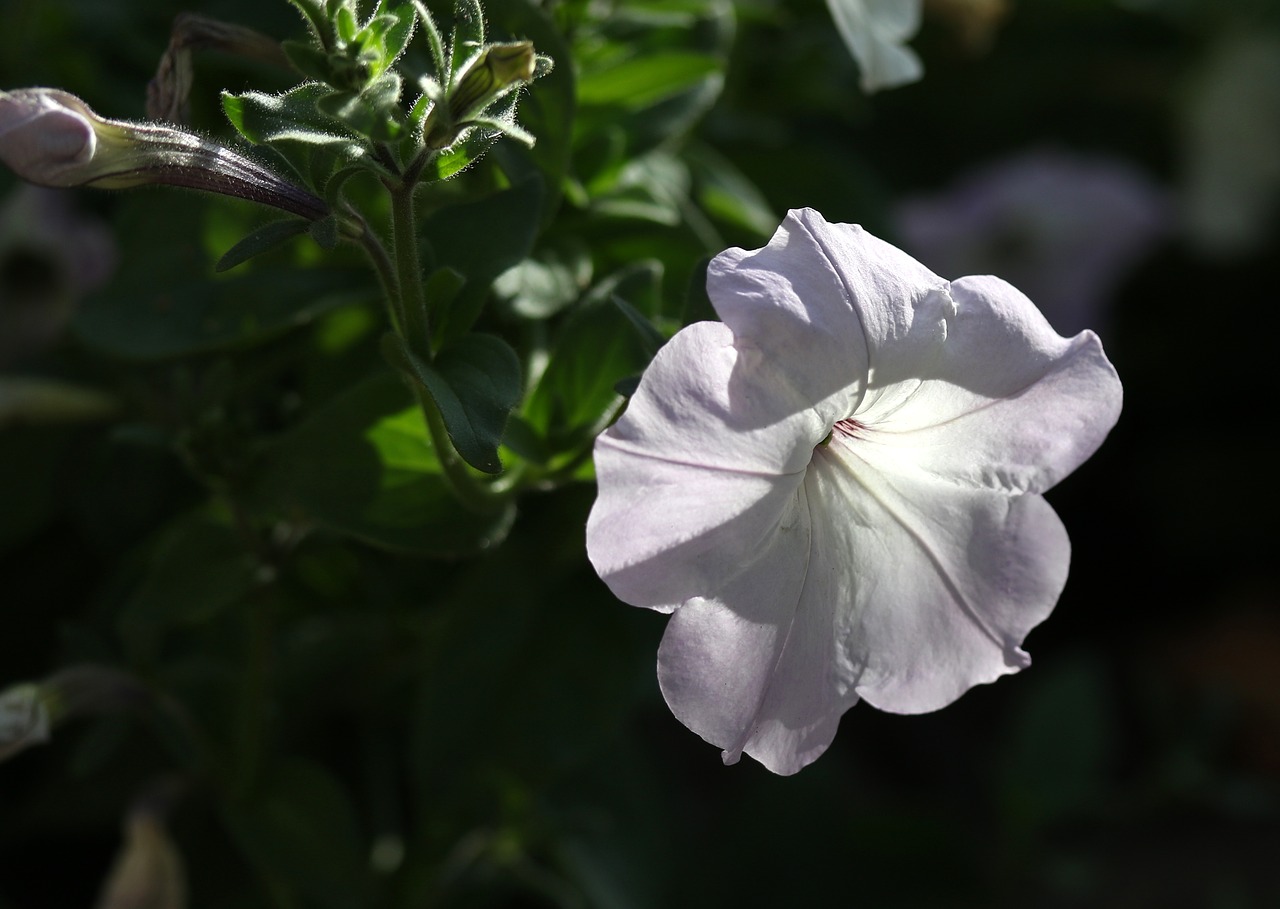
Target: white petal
832, 308
937, 584
752, 670
874, 30
696, 473
895, 20
1007, 404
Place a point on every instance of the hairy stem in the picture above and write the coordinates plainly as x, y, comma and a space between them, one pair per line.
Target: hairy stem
404, 243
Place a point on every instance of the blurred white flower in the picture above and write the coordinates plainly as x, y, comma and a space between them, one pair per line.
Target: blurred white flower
1064, 228
837, 490
50, 256
876, 32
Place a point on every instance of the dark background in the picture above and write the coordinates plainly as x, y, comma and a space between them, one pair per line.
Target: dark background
515, 742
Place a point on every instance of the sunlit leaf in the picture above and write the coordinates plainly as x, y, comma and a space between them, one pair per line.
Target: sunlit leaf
475, 382
362, 466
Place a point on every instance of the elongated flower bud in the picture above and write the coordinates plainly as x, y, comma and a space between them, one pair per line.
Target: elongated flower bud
52, 138
496, 71
499, 68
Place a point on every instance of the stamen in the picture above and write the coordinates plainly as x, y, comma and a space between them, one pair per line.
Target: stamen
849, 428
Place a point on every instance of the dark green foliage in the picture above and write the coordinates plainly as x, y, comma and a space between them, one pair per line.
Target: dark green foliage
345, 688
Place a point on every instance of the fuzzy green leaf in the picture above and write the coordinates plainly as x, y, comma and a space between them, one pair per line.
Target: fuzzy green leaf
474, 383
268, 236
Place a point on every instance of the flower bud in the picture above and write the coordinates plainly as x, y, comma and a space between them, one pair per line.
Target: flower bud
52, 138
24, 719
491, 74
148, 870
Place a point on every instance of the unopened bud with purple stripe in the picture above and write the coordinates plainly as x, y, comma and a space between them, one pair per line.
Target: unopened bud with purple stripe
52, 138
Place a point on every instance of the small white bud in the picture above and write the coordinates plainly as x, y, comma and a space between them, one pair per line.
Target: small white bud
24, 719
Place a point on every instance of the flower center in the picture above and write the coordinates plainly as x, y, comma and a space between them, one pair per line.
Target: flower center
848, 428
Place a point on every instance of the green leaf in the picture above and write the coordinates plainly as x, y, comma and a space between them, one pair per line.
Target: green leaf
598, 346
650, 338
521, 438
540, 287
546, 108
306, 58
458, 157
317, 20
372, 112
301, 827
442, 287
268, 236
163, 306
345, 23
293, 116
480, 240
655, 84
435, 41
195, 316
362, 466
697, 303
643, 81
198, 567
726, 193
468, 35
475, 383
398, 33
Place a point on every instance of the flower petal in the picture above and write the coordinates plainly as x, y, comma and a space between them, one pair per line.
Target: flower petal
690, 483
751, 669
874, 31
833, 308
1008, 403
937, 584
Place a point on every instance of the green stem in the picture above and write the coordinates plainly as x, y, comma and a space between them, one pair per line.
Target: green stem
404, 244
382, 265
474, 494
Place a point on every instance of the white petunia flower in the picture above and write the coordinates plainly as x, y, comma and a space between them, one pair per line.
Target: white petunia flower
836, 491
876, 32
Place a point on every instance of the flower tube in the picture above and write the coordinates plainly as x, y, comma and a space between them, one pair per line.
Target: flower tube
51, 138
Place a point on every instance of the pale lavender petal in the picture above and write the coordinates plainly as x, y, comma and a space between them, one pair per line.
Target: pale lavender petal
832, 307
752, 669
937, 584
1063, 227
839, 488
690, 481
1008, 403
